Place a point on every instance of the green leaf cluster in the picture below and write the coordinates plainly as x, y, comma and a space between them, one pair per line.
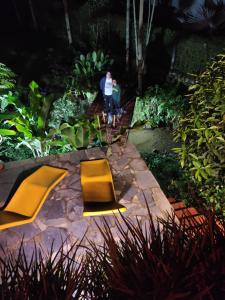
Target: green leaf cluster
28, 123
202, 130
66, 109
160, 106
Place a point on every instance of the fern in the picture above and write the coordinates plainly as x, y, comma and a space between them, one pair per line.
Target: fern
7, 76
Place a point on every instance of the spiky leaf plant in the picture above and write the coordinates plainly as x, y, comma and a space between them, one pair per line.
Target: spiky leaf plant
165, 260
55, 276
154, 260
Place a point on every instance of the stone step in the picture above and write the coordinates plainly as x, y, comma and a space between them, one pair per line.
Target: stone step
186, 212
178, 205
171, 200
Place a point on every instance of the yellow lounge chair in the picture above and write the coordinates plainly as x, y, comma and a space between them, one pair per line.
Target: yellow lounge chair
98, 189
30, 196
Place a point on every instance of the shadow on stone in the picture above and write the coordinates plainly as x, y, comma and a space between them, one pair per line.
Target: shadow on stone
122, 184
23, 175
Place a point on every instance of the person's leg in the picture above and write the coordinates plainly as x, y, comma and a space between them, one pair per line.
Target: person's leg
114, 121
117, 110
110, 109
104, 112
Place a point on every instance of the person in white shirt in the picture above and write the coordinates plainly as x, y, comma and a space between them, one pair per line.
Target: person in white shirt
106, 86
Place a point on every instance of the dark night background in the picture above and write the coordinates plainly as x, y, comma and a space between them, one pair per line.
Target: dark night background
33, 45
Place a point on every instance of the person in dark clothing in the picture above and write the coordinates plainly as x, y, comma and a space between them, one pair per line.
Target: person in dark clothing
106, 87
116, 96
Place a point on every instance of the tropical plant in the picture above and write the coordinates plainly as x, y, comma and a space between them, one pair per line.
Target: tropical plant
6, 78
160, 106
67, 108
39, 105
29, 123
202, 130
87, 70
82, 133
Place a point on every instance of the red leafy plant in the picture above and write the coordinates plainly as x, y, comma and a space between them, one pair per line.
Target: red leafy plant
160, 259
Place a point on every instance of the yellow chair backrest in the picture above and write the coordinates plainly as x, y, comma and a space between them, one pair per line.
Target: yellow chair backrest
33, 191
96, 181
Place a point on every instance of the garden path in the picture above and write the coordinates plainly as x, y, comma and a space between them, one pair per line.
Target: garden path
125, 121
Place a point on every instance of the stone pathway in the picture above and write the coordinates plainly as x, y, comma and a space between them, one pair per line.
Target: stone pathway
61, 215
124, 123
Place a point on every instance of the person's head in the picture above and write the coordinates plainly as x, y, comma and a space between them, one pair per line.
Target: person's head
108, 74
114, 82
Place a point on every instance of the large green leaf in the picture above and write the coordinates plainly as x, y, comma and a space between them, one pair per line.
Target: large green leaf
70, 135
33, 85
80, 137
8, 116
7, 132
94, 56
24, 130
82, 57
40, 122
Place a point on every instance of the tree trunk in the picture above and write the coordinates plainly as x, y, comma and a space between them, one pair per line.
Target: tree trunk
127, 36
173, 57
135, 32
17, 12
68, 29
141, 43
140, 46
33, 15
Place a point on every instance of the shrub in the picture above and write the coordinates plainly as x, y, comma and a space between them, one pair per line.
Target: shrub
66, 108
202, 131
171, 177
9, 150
160, 106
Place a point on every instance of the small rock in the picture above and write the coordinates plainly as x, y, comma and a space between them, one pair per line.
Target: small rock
59, 222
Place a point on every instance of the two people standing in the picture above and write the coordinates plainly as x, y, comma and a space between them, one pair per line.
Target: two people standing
111, 94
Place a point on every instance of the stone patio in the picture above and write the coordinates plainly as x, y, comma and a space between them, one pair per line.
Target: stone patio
61, 215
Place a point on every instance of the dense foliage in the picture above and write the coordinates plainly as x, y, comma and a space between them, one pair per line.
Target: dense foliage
154, 260
30, 131
160, 106
69, 107
194, 52
202, 133
171, 177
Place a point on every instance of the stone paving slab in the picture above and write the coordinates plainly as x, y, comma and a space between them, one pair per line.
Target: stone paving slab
61, 215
